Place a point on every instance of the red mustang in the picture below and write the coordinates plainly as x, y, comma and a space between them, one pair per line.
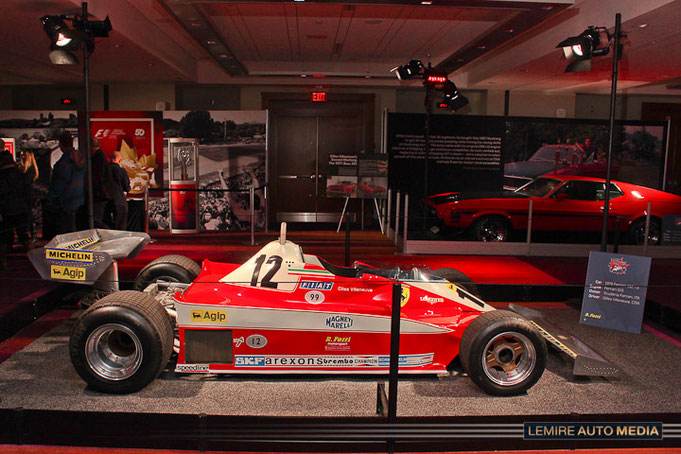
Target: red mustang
560, 203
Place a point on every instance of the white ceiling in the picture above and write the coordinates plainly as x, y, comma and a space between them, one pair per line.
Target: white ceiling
486, 44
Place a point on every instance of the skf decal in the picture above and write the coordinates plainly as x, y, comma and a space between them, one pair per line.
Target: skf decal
618, 266
80, 244
406, 292
316, 285
208, 316
63, 255
339, 322
69, 273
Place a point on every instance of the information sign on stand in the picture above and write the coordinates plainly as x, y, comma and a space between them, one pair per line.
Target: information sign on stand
615, 291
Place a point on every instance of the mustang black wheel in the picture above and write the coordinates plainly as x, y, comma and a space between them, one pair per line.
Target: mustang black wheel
122, 342
491, 228
637, 231
169, 268
458, 278
503, 353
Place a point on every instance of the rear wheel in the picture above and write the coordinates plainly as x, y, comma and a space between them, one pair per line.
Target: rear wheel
491, 228
459, 279
637, 231
122, 342
503, 353
169, 268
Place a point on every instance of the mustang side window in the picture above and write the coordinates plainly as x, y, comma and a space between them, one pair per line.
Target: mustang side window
580, 190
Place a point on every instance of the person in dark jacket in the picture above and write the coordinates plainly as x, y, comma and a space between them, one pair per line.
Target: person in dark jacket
121, 183
29, 168
13, 206
67, 185
102, 184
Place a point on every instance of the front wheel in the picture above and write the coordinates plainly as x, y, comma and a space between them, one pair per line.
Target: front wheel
637, 231
169, 268
122, 342
491, 228
503, 353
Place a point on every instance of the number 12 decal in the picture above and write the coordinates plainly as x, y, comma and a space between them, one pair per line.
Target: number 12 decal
275, 261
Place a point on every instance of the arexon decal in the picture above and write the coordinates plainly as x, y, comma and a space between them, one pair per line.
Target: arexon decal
339, 322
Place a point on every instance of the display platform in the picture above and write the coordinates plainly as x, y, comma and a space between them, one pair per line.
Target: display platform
38, 385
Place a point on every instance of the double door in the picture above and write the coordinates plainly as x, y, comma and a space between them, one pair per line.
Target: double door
303, 136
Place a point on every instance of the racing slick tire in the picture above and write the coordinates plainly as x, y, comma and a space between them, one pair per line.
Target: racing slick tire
169, 268
122, 342
456, 277
637, 231
503, 353
491, 228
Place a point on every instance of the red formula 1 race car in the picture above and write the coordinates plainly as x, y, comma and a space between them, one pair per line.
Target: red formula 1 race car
560, 203
287, 312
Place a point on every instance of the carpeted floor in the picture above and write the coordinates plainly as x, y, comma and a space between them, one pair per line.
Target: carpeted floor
41, 377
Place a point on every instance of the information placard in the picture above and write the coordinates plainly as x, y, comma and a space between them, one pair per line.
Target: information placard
615, 291
671, 230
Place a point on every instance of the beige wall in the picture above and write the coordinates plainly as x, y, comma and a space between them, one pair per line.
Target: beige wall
140, 96
627, 107
540, 104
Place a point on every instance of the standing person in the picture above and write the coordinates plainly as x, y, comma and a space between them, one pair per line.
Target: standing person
121, 187
12, 205
102, 184
67, 184
29, 168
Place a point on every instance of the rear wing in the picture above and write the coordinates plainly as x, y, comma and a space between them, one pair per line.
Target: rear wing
88, 256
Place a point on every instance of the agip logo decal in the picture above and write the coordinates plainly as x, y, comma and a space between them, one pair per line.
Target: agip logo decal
618, 266
68, 273
208, 316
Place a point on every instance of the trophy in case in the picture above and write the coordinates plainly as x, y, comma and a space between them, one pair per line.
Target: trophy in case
184, 182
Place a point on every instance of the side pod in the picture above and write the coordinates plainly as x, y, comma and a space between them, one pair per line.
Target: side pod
587, 362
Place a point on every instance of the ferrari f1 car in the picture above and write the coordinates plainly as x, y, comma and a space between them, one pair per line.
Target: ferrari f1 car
284, 311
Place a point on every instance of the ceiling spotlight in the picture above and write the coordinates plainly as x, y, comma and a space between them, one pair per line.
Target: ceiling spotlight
453, 99
580, 49
61, 36
408, 71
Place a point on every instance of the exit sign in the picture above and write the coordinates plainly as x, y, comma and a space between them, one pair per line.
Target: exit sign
319, 96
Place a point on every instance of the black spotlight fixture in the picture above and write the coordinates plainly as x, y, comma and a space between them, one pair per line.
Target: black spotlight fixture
581, 48
63, 40
453, 99
408, 71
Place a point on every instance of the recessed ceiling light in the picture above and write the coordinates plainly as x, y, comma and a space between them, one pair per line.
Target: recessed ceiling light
367, 76
303, 75
211, 42
224, 55
482, 47
426, 2
196, 24
642, 25
118, 46
298, 0
509, 30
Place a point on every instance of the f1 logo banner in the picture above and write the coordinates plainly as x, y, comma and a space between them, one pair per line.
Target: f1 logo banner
615, 291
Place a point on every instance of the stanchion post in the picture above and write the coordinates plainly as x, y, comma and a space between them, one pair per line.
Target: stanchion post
529, 225
267, 209
252, 203
387, 215
647, 232
394, 352
397, 216
347, 240
616, 246
406, 222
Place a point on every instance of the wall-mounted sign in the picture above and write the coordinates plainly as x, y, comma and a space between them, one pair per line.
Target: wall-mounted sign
319, 96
